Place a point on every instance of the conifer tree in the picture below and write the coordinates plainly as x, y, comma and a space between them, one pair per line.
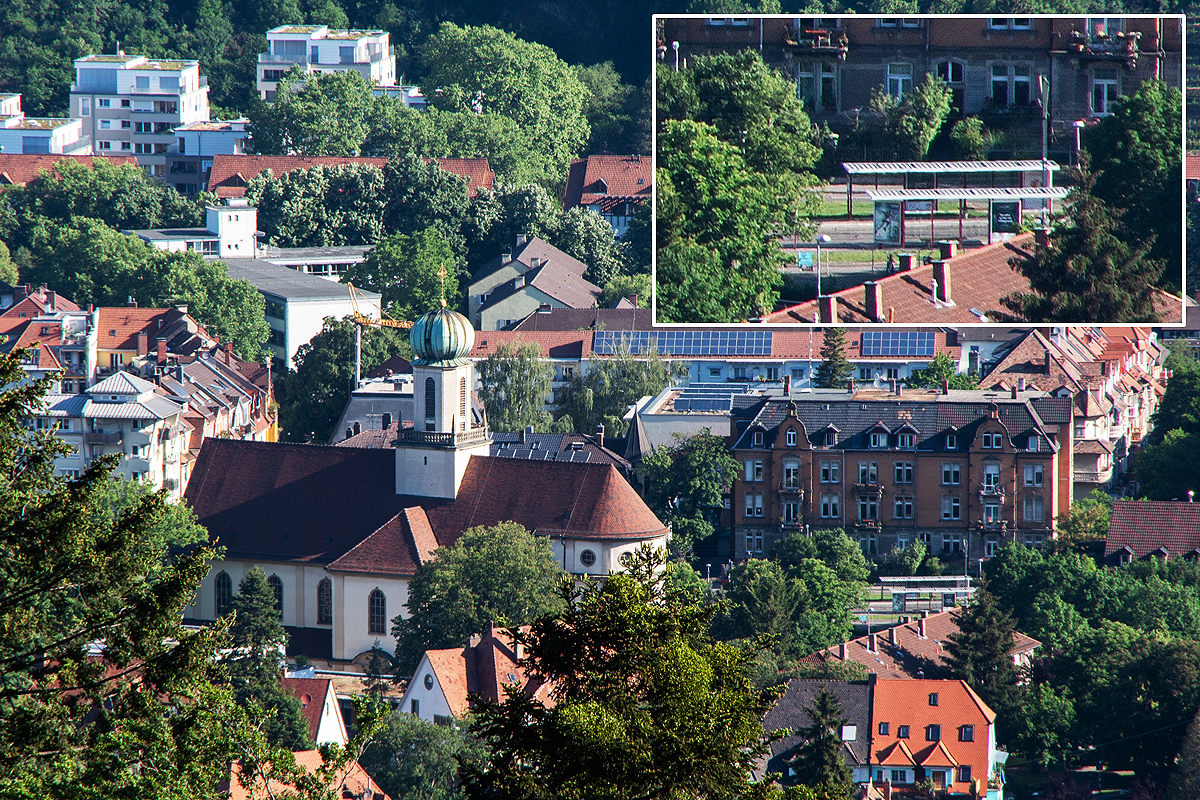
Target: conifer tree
979, 652
835, 367
1094, 268
818, 761
255, 665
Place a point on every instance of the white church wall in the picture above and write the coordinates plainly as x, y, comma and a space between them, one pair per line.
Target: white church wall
353, 618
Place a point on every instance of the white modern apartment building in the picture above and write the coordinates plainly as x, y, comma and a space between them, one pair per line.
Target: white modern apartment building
198, 142
228, 232
22, 134
318, 48
130, 105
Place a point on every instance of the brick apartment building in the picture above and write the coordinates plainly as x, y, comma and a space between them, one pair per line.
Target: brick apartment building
991, 64
962, 471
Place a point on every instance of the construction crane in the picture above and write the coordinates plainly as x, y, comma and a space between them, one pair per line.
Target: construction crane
359, 319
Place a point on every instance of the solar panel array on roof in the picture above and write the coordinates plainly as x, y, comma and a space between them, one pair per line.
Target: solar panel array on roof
909, 344
685, 343
720, 404
543, 455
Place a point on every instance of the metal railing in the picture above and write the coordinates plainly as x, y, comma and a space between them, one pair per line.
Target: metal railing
991, 490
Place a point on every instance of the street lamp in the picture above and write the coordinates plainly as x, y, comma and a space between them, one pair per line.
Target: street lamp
822, 238
675, 47
1078, 125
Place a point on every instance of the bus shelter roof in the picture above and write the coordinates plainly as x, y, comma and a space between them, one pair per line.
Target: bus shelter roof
926, 167
1013, 193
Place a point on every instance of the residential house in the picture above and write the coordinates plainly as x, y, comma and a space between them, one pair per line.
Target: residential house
199, 142
963, 472
516, 284
56, 334
123, 335
317, 49
549, 318
22, 134
615, 187
352, 781
229, 231
319, 705
231, 173
341, 530
792, 711
131, 105
1152, 529
956, 289
441, 688
18, 169
914, 648
1190, 332
936, 730
297, 304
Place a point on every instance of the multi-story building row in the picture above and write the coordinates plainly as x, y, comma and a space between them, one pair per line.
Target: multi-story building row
316, 49
994, 66
21, 134
964, 472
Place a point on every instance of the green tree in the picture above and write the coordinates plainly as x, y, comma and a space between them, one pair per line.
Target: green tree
834, 368
501, 574
832, 547
766, 602
584, 235
1135, 153
407, 270
321, 206
514, 384
421, 195
941, 369
1086, 520
607, 109
646, 704
612, 385
8, 268
487, 70
1180, 405
314, 115
972, 141
686, 480
1042, 725
1169, 470
1185, 778
818, 761
412, 759
312, 397
437, 133
255, 663
979, 653
627, 287
97, 671
1094, 268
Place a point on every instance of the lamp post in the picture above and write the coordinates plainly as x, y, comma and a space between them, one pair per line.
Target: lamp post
822, 238
675, 47
1044, 92
1078, 125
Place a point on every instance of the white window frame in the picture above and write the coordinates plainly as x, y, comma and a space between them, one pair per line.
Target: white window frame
951, 507
791, 437
829, 472
896, 81
1035, 509
902, 471
951, 473
1111, 94
1034, 474
831, 506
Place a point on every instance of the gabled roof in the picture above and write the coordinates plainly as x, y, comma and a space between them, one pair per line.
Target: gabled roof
791, 711
523, 256
117, 328
581, 319
574, 345
897, 754
600, 178
1144, 526
979, 279
18, 169
230, 173
311, 692
351, 781
122, 383
477, 171
936, 755
401, 544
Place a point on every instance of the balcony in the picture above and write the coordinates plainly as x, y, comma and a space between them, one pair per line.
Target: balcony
869, 488
790, 488
135, 464
868, 525
991, 490
438, 439
77, 148
102, 438
274, 58
993, 525
817, 41
1121, 47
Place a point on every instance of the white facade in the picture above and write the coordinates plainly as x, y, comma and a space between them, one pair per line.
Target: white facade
130, 105
22, 134
425, 691
228, 232
318, 49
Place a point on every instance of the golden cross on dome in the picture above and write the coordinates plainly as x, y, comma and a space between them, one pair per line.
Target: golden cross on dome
441, 273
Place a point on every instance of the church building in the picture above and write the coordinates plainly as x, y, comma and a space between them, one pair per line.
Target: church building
340, 531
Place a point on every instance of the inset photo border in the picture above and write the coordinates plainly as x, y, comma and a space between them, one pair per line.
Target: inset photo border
919, 170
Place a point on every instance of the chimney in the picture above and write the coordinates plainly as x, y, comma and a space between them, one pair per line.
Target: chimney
850, 384
131, 303
162, 352
386, 420
226, 349
1041, 237
947, 250
143, 343
921, 627
525, 434
827, 309
874, 300
842, 651
1047, 365
1021, 384
20, 293
600, 435
535, 262
945, 387
51, 299
181, 308
892, 637
941, 273
1014, 393
872, 645
787, 385
505, 258
349, 433
522, 238
906, 262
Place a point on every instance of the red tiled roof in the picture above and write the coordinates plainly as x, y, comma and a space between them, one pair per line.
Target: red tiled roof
32, 337
18, 169
482, 668
311, 692
1192, 166
1145, 526
401, 545
351, 781
230, 173
117, 328
455, 676
979, 279
553, 344
621, 174
33, 305
575, 319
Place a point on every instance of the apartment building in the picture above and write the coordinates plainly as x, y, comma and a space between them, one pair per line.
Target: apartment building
131, 105
963, 472
315, 49
992, 65
229, 232
199, 143
22, 134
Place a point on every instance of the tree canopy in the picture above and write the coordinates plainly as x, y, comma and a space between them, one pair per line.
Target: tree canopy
514, 384
502, 574
325, 114
818, 760
612, 385
685, 485
941, 369
413, 273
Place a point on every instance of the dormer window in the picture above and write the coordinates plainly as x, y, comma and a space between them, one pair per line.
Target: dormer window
830, 438
951, 441
1032, 444
879, 440
906, 441
758, 438
791, 437
601, 186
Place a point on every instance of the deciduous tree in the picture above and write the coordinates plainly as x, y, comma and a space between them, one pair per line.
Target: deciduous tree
502, 574
612, 385
412, 272
412, 759
941, 369
514, 385
320, 206
686, 480
323, 114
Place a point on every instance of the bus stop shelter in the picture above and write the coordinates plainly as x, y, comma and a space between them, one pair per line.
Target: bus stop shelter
1033, 173
1004, 208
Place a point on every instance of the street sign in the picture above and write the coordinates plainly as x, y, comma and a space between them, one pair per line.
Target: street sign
804, 259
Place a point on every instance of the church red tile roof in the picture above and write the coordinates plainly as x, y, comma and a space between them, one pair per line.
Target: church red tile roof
230, 172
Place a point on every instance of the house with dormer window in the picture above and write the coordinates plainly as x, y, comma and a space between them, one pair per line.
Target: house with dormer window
615, 187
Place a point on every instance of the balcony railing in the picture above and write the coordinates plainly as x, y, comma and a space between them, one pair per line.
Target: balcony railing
84, 143
869, 525
275, 58
869, 487
1122, 46
790, 487
993, 525
439, 439
820, 41
991, 490
101, 438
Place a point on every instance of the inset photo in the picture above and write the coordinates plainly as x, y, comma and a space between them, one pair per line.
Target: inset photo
919, 170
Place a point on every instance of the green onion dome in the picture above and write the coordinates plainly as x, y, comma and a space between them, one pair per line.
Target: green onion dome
442, 338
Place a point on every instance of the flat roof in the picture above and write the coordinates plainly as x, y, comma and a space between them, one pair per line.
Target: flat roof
215, 125
287, 283
1013, 193
304, 255
902, 167
170, 234
38, 123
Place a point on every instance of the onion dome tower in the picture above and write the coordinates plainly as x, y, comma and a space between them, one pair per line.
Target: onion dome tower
432, 457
